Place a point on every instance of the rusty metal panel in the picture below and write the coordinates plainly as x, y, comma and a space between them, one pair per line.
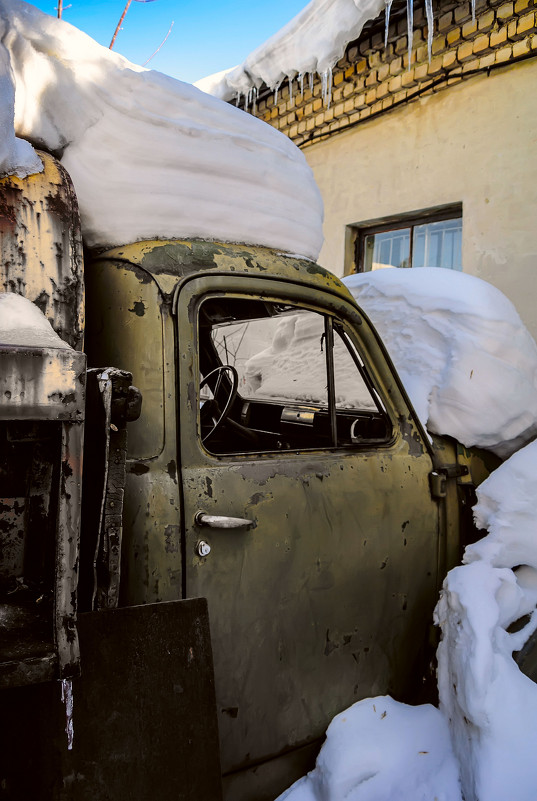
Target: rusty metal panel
41, 383
327, 598
41, 246
129, 324
41, 432
144, 715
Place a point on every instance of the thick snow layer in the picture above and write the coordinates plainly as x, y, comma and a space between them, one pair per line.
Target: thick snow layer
490, 704
22, 323
467, 361
311, 42
379, 750
150, 157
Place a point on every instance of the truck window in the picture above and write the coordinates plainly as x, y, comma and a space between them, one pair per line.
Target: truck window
275, 377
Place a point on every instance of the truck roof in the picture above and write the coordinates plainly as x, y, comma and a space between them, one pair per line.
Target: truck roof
168, 260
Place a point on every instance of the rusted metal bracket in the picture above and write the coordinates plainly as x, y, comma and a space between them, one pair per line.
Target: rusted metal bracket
438, 478
121, 403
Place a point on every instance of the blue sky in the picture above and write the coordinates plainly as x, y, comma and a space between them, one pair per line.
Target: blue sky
206, 37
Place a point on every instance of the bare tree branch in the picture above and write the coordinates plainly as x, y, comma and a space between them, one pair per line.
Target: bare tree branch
160, 45
118, 28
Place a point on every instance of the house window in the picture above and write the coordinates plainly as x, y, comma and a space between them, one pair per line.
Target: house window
426, 239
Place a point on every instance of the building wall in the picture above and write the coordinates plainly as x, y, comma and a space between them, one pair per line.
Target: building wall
460, 127
475, 144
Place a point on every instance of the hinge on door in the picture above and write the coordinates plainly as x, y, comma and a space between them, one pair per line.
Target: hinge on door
438, 478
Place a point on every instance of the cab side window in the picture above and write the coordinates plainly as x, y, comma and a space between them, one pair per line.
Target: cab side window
276, 377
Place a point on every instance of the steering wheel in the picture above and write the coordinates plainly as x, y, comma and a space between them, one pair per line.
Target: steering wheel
211, 412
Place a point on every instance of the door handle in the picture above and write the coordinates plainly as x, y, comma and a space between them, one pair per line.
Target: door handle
221, 521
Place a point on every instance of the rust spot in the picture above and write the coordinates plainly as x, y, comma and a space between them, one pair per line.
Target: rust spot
171, 467
138, 308
172, 540
138, 468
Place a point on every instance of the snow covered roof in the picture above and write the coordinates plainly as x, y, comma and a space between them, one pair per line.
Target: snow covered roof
313, 41
150, 156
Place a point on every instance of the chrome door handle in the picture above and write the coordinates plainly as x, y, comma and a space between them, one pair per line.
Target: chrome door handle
221, 521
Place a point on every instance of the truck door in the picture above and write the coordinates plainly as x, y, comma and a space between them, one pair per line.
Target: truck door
308, 520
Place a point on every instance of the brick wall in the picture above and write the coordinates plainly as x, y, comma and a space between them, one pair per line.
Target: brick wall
373, 78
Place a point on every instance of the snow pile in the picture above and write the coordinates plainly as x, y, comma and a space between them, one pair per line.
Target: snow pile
23, 324
490, 704
311, 42
150, 157
380, 750
466, 359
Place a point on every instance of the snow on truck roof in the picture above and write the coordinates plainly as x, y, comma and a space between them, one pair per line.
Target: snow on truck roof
150, 156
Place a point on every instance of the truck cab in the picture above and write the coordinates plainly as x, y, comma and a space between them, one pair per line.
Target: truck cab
278, 470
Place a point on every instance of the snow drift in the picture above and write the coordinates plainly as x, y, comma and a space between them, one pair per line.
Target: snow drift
150, 156
466, 359
490, 705
380, 750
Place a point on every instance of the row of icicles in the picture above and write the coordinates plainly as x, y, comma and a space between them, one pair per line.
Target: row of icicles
250, 98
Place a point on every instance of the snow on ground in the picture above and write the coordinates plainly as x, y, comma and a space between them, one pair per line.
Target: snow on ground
379, 750
22, 323
466, 359
150, 156
313, 41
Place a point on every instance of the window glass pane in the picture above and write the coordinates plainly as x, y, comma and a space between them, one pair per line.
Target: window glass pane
278, 359
351, 390
387, 249
438, 244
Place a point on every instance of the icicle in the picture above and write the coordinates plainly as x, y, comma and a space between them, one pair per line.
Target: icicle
301, 83
387, 25
311, 82
254, 97
276, 89
67, 698
409, 26
473, 10
430, 23
238, 99
326, 87
290, 90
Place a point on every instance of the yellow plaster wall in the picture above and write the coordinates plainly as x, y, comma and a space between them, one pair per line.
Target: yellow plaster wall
474, 143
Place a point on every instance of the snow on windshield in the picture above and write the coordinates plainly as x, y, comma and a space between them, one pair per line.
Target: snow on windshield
150, 156
466, 359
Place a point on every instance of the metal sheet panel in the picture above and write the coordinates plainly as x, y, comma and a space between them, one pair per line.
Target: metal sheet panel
144, 714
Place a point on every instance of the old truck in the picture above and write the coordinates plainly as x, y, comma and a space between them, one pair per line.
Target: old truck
276, 474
